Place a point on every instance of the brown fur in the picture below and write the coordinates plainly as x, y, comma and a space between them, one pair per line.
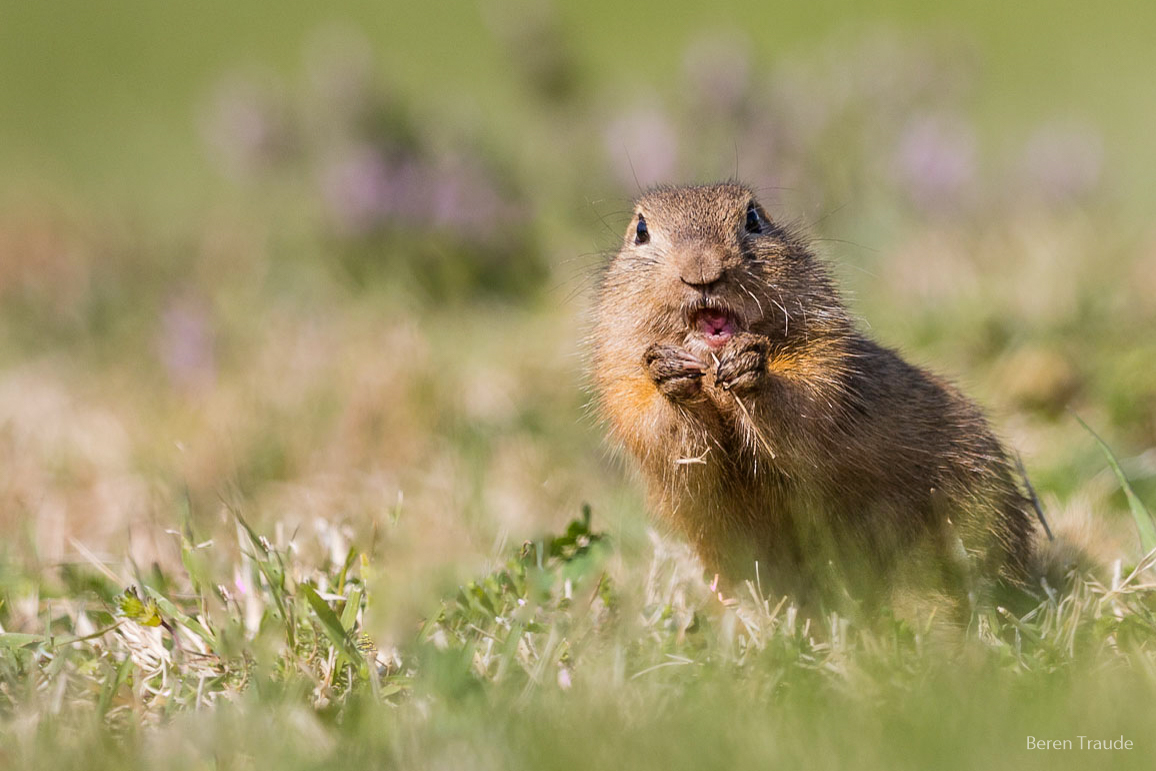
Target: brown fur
799, 444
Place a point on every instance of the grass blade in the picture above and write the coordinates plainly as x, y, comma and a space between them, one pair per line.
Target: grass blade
1145, 524
17, 640
352, 605
175, 613
332, 627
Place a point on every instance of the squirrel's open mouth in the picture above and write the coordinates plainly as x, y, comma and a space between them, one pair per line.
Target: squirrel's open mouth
715, 323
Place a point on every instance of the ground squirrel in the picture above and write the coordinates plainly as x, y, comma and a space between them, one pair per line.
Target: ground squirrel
771, 431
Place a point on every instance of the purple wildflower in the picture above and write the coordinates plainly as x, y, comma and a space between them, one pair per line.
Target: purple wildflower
936, 161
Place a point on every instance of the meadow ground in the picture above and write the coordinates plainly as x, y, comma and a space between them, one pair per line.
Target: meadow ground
296, 465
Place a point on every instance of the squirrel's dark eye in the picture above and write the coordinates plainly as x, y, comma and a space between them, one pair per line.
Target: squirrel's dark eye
754, 221
641, 234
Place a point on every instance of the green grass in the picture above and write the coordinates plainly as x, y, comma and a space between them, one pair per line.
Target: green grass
561, 658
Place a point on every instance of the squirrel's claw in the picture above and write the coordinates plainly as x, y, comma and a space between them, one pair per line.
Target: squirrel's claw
676, 372
742, 364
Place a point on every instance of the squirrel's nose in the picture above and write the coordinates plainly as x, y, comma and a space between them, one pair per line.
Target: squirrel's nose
700, 267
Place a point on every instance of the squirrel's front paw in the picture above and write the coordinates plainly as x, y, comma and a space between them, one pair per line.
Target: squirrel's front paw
742, 365
676, 372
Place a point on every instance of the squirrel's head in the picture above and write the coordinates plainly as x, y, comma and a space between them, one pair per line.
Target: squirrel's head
700, 264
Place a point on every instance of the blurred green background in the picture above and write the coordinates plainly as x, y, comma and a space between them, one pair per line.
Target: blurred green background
104, 96
317, 258
343, 254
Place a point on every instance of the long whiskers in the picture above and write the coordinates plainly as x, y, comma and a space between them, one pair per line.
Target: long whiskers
786, 314
753, 297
